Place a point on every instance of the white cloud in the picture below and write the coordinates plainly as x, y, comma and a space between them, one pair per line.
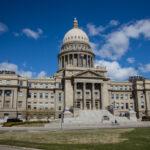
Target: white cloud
115, 71
8, 66
3, 28
117, 43
42, 74
114, 22
145, 68
27, 74
131, 60
93, 30
14, 67
32, 34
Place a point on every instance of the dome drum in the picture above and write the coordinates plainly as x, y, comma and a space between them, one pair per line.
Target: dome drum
76, 59
76, 50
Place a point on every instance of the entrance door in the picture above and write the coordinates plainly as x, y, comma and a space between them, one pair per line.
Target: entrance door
88, 105
78, 104
96, 104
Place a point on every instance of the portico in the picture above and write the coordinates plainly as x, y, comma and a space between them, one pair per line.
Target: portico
87, 95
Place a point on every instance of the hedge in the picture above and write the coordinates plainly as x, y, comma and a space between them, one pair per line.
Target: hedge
10, 124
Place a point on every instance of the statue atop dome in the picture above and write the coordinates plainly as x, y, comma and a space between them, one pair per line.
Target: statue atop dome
75, 23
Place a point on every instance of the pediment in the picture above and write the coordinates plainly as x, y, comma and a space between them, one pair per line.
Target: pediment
88, 74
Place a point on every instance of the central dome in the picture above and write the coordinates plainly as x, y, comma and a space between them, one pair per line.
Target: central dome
76, 35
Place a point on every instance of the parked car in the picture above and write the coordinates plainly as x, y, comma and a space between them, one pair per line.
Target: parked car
14, 120
146, 118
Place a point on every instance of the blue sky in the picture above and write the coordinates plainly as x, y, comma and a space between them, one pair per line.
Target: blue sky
31, 33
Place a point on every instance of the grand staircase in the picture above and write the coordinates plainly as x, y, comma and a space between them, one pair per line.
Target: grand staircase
95, 117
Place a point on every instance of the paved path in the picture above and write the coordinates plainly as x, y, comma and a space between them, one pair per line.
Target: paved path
5, 147
57, 126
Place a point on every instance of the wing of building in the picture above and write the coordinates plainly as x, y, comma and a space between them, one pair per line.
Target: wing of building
77, 85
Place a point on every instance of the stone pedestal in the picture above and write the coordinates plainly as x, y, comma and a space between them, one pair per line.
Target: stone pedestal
132, 116
67, 113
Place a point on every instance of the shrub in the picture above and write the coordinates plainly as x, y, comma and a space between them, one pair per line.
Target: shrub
10, 124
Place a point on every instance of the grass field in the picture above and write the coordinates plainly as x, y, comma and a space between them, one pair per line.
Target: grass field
104, 139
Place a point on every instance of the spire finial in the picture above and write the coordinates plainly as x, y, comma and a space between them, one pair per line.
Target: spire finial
75, 23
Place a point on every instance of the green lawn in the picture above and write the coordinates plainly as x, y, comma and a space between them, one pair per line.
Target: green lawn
104, 139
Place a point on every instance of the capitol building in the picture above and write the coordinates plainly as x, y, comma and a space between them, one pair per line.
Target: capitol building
77, 88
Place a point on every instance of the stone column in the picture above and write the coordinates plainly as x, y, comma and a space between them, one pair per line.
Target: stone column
104, 95
93, 97
75, 97
68, 59
101, 97
78, 60
84, 96
3, 98
11, 103
72, 59
86, 60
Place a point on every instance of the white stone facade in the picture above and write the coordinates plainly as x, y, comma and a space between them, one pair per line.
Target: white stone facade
77, 85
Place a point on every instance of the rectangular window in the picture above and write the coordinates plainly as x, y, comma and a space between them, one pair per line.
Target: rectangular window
59, 116
96, 93
112, 96
35, 85
46, 105
35, 95
29, 85
121, 88
117, 105
7, 104
8, 92
0, 92
19, 104
40, 106
29, 105
20, 93
122, 105
8, 82
52, 95
142, 104
59, 108
46, 86
60, 86
41, 85
125, 88
34, 105
52, 105
126, 96
29, 95
21, 83
41, 95
87, 93
131, 97
121, 97
117, 96
116, 87
0, 81
59, 97
78, 93
127, 106
141, 96
46, 95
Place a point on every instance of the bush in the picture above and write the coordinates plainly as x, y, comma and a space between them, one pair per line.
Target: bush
10, 124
